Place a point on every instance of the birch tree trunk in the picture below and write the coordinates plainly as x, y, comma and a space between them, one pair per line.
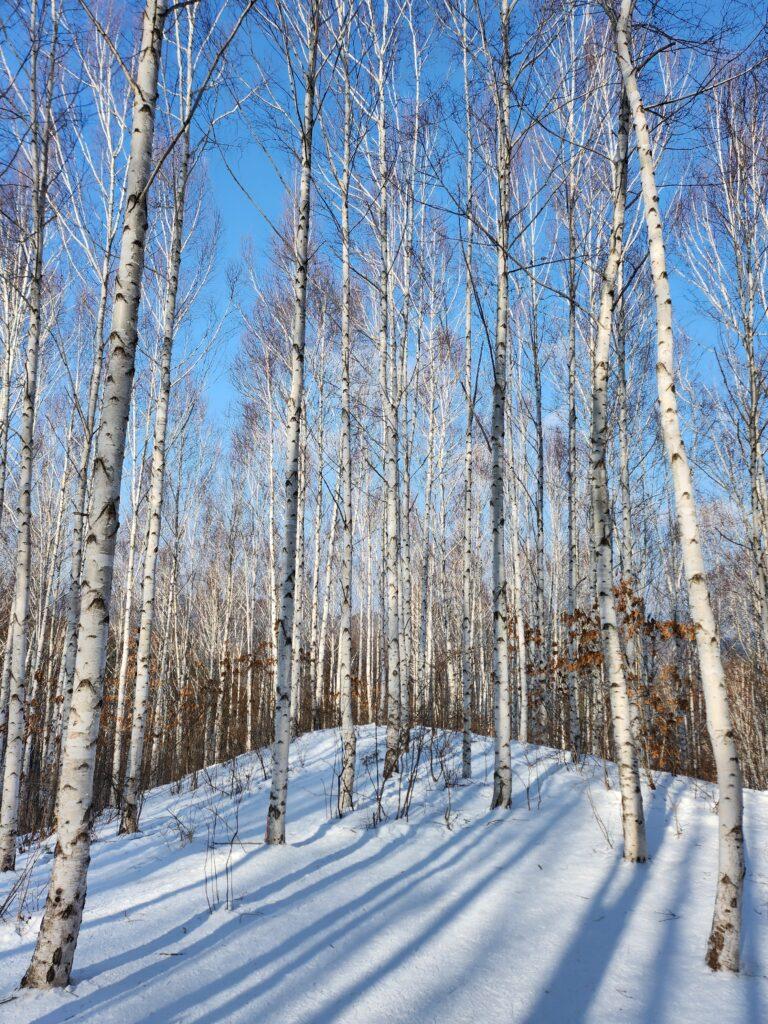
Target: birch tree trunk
724, 938
502, 772
756, 471
299, 588
406, 408
129, 822
633, 821
466, 540
544, 691
5, 685
315, 609
629, 579
319, 682
571, 187
348, 740
271, 529
426, 589
275, 831
122, 677
43, 656
40, 146
369, 677
388, 384
51, 964
80, 504
15, 295
517, 462
14, 288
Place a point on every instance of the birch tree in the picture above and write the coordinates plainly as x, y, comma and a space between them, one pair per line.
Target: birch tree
633, 821
51, 964
184, 37
502, 772
275, 831
724, 938
347, 779
42, 81
110, 96
388, 380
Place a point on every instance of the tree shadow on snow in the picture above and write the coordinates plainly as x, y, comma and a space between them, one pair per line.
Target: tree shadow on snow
355, 922
574, 984
273, 965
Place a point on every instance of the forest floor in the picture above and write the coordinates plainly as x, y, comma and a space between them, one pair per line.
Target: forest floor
455, 915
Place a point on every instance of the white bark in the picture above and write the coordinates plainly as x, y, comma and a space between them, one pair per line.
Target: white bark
724, 938
633, 821
317, 530
426, 589
113, 145
348, 740
544, 691
40, 144
319, 681
5, 685
130, 816
125, 645
37, 732
517, 602
571, 186
52, 959
275, 831
466, 540
388, 386
298, 601
502, 771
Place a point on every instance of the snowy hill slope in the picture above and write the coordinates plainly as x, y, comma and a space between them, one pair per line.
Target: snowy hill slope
456, 915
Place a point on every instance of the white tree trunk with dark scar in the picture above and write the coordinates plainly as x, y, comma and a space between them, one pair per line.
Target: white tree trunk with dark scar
388, 385
466, 540
130, 815
125, 638
633, 821
502, 772
724, 938
14, 750
298, 590
275, 831
52, 959
347, 781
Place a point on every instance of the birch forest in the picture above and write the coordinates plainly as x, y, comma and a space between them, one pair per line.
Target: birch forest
383, 401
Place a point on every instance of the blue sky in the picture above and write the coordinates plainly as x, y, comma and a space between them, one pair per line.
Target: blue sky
242, 219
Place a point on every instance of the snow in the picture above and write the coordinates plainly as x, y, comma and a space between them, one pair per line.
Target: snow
454, 915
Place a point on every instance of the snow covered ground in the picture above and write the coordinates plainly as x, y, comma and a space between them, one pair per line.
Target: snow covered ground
457, 915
